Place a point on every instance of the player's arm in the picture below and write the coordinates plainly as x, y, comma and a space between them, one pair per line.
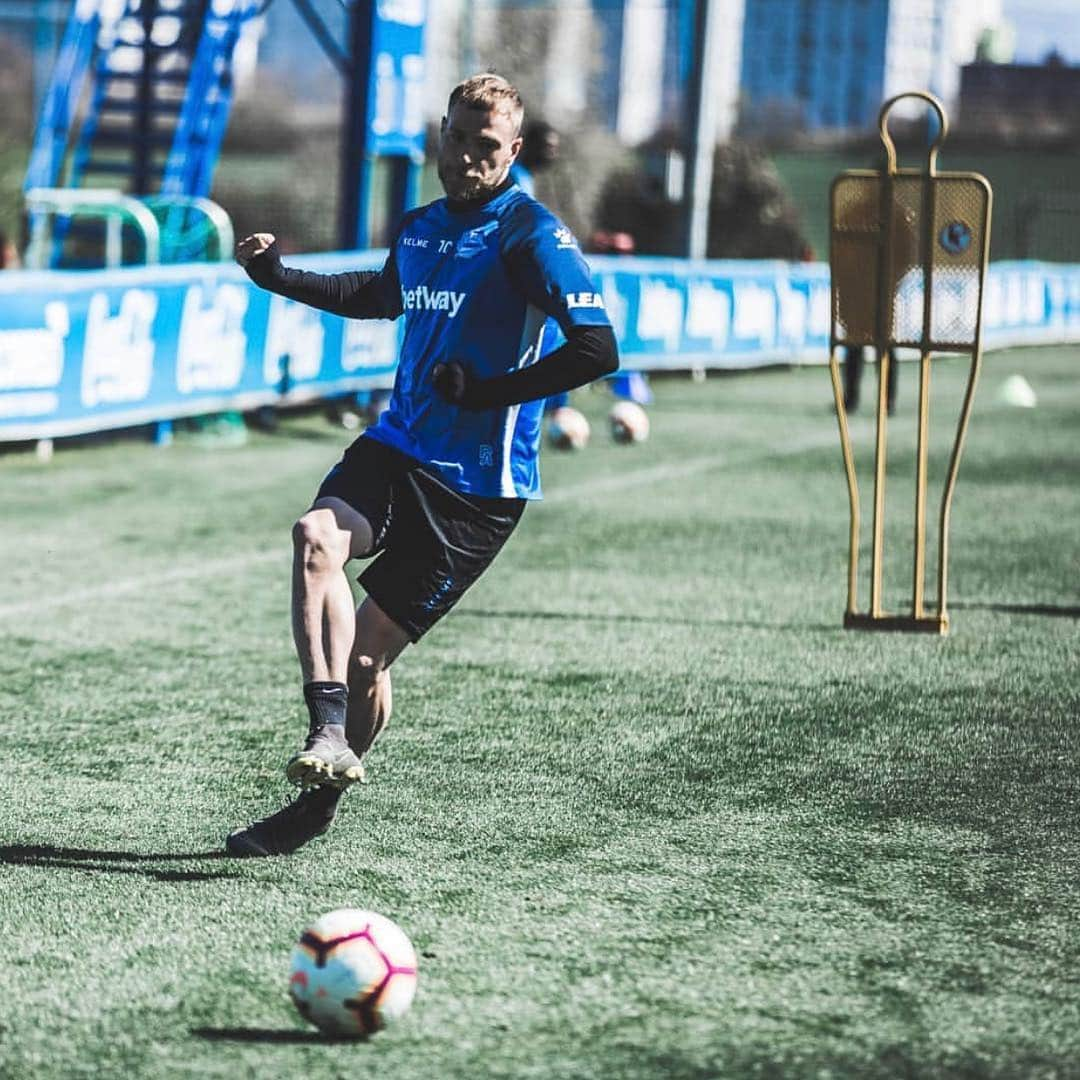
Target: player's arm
590, 353
356, 294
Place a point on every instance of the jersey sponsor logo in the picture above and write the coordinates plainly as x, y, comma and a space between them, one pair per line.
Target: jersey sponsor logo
584, 300
424, 299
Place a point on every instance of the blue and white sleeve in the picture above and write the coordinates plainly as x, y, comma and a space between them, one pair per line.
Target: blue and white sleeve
545, 262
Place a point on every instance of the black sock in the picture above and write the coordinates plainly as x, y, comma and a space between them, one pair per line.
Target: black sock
326, 702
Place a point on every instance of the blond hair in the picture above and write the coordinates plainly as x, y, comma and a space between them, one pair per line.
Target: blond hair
490, 92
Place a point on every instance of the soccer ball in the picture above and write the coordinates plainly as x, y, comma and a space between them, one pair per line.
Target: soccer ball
629, 422
568, 429
352, 973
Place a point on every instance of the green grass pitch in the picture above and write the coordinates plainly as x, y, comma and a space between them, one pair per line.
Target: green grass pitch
643, 807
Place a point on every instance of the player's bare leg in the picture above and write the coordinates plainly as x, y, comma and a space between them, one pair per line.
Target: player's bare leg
324, 627
324, 540
377, 644
378, 641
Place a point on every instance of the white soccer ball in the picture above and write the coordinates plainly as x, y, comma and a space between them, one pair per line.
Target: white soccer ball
568, 429
352, 973
629, 422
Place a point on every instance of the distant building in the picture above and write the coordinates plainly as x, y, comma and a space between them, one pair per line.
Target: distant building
829, 64
1015, 99
625, 64
647, 48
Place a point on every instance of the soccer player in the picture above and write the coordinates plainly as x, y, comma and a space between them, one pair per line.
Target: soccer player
435, 487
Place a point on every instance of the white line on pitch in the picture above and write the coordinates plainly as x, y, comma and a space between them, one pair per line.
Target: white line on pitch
144, 582
631, 478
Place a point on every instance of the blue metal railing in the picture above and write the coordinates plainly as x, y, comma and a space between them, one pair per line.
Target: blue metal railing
57, 119
161, 75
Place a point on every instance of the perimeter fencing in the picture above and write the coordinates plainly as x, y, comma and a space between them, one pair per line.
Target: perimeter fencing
92, 351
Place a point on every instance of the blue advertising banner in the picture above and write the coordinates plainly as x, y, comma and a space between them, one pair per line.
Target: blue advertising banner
93, 350
678, 314
396, 92
103, 349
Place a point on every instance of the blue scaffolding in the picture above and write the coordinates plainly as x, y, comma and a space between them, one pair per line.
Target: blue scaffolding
157, 75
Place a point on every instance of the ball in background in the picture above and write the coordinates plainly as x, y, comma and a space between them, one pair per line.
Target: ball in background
568, 429
352, 973
629, 422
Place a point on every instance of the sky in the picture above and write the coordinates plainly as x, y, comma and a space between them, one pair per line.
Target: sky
1042, 25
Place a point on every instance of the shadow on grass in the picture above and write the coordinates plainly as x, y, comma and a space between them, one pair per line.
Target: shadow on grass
268, 1035
114, 862
652, 620
1053, 610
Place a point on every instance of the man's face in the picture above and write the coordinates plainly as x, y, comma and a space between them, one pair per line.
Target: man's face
549, 147
476, 149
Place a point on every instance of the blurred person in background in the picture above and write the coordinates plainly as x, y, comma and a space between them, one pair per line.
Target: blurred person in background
855, 355
627, 385
9, 253
854, 363
539, 152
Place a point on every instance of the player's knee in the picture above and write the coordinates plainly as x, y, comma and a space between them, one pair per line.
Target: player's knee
367, 669
318, 544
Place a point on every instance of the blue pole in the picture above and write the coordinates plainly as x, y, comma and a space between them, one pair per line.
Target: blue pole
356, 166
44, 56
413, 182
404, 188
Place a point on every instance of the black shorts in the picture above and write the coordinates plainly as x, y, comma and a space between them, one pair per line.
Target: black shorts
432, 542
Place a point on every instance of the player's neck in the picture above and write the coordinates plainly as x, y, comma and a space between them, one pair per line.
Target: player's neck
463, 206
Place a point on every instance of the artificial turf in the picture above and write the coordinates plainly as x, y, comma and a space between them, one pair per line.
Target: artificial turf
644, 808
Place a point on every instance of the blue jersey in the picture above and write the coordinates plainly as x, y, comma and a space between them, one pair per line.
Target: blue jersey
477, 287
552, 337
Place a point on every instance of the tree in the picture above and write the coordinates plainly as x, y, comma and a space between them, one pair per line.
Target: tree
751, 215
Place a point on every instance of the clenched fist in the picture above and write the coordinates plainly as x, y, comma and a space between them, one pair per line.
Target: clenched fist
252, 246
451, 382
